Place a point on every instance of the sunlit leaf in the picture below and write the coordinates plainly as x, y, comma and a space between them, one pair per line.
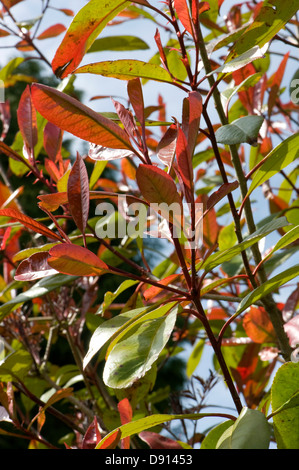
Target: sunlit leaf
70, 115
284, 397
29, 223
118, 43
75, 260
52, 31
126, 69
84, 29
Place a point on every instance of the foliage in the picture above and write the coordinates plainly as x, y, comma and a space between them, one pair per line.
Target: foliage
163, 238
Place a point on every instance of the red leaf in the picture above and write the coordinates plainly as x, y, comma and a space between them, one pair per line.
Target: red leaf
52, 140
275, 83
78, 193
136, 99
157, 188
72, 116
191, 119
156, 441
291, 304
153, 291
167, 145
126, 414
51, 202
92, 436
184, 160
258, 326
35, 267
84, 29
75, 261
52, 31
26, 115
223, 191
30, 223
111, 442
183, 14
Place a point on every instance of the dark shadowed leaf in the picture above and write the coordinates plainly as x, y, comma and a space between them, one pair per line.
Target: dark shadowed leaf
35, 267
157, 441
78, 193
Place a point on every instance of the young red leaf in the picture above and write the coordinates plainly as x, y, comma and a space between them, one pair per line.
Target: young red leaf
30, 223
72, 116
84, 29
35, 267
136, 99
156, 441
258, 326
223, 191
194, 114
111, 442
167, 145
183, 13
126, 119
52, 31
160, 191
78, 193
275, 83
75, 261
26, 115
92, 436
51, 202
126, 414
52, 140
184, 160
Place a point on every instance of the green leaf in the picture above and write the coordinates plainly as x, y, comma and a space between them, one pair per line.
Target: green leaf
15, 365
110, 329
285, 406
250, 431
285, 153
221, 256
118, 43
137, 351
127, 69
148, 422
242, 130
195, 357
39, 289
291, 236
109, 297
267, 287
211, 439
272, 16
235, 64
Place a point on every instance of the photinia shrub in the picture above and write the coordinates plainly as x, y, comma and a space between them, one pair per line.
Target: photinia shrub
130, 239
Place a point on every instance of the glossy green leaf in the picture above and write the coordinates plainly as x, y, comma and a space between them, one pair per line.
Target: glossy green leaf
291, 236
242, 130
127, 69
83, 31
237, 63
109, 329
15, 365
211, 439
285, 399
221, 256
118, 43
282, 155
270, 19
195, 357
139, 425
137, 351
109, 297
243, 433
268, 287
